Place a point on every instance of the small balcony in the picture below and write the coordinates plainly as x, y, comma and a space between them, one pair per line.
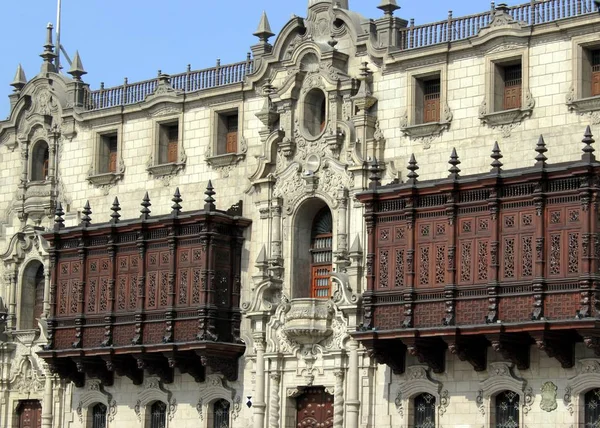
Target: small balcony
309, 320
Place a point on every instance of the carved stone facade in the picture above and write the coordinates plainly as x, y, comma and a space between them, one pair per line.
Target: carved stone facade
429, 293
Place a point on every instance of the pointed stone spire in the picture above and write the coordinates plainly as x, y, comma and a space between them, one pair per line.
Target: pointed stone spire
588, 151
412, 168
20, 80
454, 162
77, 69
59, 220
356, 248
48, 55
209, 201
116, 207
145, 207
496, 156
263, 32
388, 7
262, 265
262, 257
86, 220
540, 148
176, 203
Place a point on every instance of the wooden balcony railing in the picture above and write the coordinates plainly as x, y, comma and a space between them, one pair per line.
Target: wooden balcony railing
152, 293
509, 258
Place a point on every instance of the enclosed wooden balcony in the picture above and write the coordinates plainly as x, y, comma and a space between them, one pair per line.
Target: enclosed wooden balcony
151, 294
505, 259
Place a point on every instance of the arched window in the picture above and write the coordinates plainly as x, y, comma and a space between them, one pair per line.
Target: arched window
424, 411
158, 415
32, 295
39, 161
99, 416
507, 410
321, 253
221, 414
592, 408
315, 112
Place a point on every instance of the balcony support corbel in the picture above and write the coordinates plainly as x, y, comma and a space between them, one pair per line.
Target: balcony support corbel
430, 351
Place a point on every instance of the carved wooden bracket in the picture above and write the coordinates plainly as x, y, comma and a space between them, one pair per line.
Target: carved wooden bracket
513, 347
430, 351
67, 370
472, 349
392, 354
96, 369
187, 364
155, 365
228, 367
124, 366
559, 345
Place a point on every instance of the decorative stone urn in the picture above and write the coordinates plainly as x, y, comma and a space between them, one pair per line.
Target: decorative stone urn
309, 320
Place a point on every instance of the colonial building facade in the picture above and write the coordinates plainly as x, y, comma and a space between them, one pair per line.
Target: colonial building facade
366, 223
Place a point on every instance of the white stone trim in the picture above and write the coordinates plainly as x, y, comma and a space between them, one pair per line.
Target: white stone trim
417, 380
587, 378
154, 166
95, 394
153, 391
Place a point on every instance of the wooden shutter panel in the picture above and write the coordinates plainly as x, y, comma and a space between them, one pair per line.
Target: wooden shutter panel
231, 142
172, 152
112, 155
595, 72
431, 104
512, 87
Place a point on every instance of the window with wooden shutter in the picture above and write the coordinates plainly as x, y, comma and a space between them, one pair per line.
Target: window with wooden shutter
232, 134
431, 100
45, 165
321, 254
112, 153
40, 161
595, 72
172, 145
512, 86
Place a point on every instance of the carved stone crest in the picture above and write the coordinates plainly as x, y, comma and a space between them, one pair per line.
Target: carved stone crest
548, 402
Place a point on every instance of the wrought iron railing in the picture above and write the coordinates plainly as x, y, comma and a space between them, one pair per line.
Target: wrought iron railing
190, 81
452, 29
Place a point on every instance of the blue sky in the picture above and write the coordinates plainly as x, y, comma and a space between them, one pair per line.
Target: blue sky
135, 38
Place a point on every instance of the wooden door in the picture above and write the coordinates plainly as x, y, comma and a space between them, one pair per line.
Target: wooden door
231, 142
315, 409
30, 414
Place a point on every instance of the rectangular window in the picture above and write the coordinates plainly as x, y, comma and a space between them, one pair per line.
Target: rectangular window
108, 153
321, 265
227, 133
595, 56
431, 100
512, 86
168, 142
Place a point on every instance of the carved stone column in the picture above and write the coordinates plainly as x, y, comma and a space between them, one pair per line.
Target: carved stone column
276, 241
342, 230
274, 403
259, 392
24, 161
352, 402
47, 402
11, 278
52, 148
338, 400
46, 309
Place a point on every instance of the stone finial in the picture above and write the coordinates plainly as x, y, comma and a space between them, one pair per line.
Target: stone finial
388, 7
176, 203
375, 178
588, 150
20, 80
356, 248
114, 217
263, 32
209, 201
262, 257
77, 69
454, 162
412, 168
48, 55
540, 148
145, 207
86, 220
496, 156
59, 221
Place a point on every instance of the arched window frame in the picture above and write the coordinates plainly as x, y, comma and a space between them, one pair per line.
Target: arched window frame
587, 379
27, 322
502, 378
417, 381
217, 389
153, 391
39, 161
93, 395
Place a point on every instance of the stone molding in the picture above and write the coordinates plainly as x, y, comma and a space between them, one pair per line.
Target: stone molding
154, 391
417, 380
217, 389
93, 395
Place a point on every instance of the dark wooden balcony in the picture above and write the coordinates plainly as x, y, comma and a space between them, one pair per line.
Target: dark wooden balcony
506, 259
153, 294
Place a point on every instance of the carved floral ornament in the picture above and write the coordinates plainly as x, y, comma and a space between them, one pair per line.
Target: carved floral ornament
588, 377
216, 388
27, 379
154, 391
